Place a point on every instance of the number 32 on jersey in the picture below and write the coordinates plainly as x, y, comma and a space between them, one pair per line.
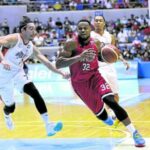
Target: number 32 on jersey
85, 67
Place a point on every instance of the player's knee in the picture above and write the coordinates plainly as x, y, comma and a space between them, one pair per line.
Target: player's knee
118, 110
30, 89
9, 109
110, 101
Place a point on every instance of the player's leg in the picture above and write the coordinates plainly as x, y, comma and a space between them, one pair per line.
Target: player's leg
9, 107
51, 128
7, 116
25, 85
102, 115
110, 75
123, 117
90, 96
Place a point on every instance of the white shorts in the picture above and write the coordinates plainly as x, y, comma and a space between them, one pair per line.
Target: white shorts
109, 73
8, 81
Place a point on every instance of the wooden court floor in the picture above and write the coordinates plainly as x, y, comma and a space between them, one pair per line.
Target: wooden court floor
78, 122
81, 128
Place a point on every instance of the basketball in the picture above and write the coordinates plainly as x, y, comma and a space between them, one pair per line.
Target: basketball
110, 53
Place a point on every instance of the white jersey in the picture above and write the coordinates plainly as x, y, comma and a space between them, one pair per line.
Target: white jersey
15, 77
16, 55
105, 38
107, 70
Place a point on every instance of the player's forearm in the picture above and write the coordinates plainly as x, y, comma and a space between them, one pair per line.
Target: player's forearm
47, 63
53, 68
65, 62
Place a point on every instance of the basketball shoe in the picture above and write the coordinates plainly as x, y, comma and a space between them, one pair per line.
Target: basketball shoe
116, 123
53, 128
109, 121
138, 139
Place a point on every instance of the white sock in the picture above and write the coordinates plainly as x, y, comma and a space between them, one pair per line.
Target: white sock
45, 118
131, 128
112, 114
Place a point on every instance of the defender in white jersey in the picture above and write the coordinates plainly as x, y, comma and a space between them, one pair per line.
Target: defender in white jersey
19, 48
108, 71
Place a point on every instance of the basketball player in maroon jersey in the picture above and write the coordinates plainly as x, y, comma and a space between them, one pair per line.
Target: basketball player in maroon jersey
81, 55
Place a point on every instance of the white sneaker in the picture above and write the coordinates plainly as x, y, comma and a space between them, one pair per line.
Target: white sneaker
9, 122
53, 128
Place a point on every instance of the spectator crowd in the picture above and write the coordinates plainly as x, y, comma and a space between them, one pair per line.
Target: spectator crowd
133, 33
59, 5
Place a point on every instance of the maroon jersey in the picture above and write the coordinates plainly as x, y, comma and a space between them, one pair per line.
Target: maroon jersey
82, 71
87, 82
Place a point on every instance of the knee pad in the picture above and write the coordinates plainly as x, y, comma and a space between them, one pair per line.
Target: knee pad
9, 109
118, 110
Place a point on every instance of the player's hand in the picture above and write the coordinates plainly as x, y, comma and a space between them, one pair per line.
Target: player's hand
5, 65
65, 75
88, 55
126, 65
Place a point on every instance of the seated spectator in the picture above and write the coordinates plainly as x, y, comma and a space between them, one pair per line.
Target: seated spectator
38, 40
108, 4
72, 5
147, 18
57, 6
5, 26
44, 7
50, 24
54, 37
66, 4
136, 43
61, 33
67, 21
58, 23
122, 37
146, 31
47, 41
123, 20
53, 34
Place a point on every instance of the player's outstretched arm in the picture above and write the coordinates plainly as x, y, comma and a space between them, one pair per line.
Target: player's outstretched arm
114, 42
47, 63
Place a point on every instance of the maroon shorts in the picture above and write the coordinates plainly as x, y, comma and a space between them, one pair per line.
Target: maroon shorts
92, 92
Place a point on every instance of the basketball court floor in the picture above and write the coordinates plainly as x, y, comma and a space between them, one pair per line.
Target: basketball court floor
81, 131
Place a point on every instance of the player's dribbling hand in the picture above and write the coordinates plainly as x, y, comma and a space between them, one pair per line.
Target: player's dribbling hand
5, 65
88, 55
